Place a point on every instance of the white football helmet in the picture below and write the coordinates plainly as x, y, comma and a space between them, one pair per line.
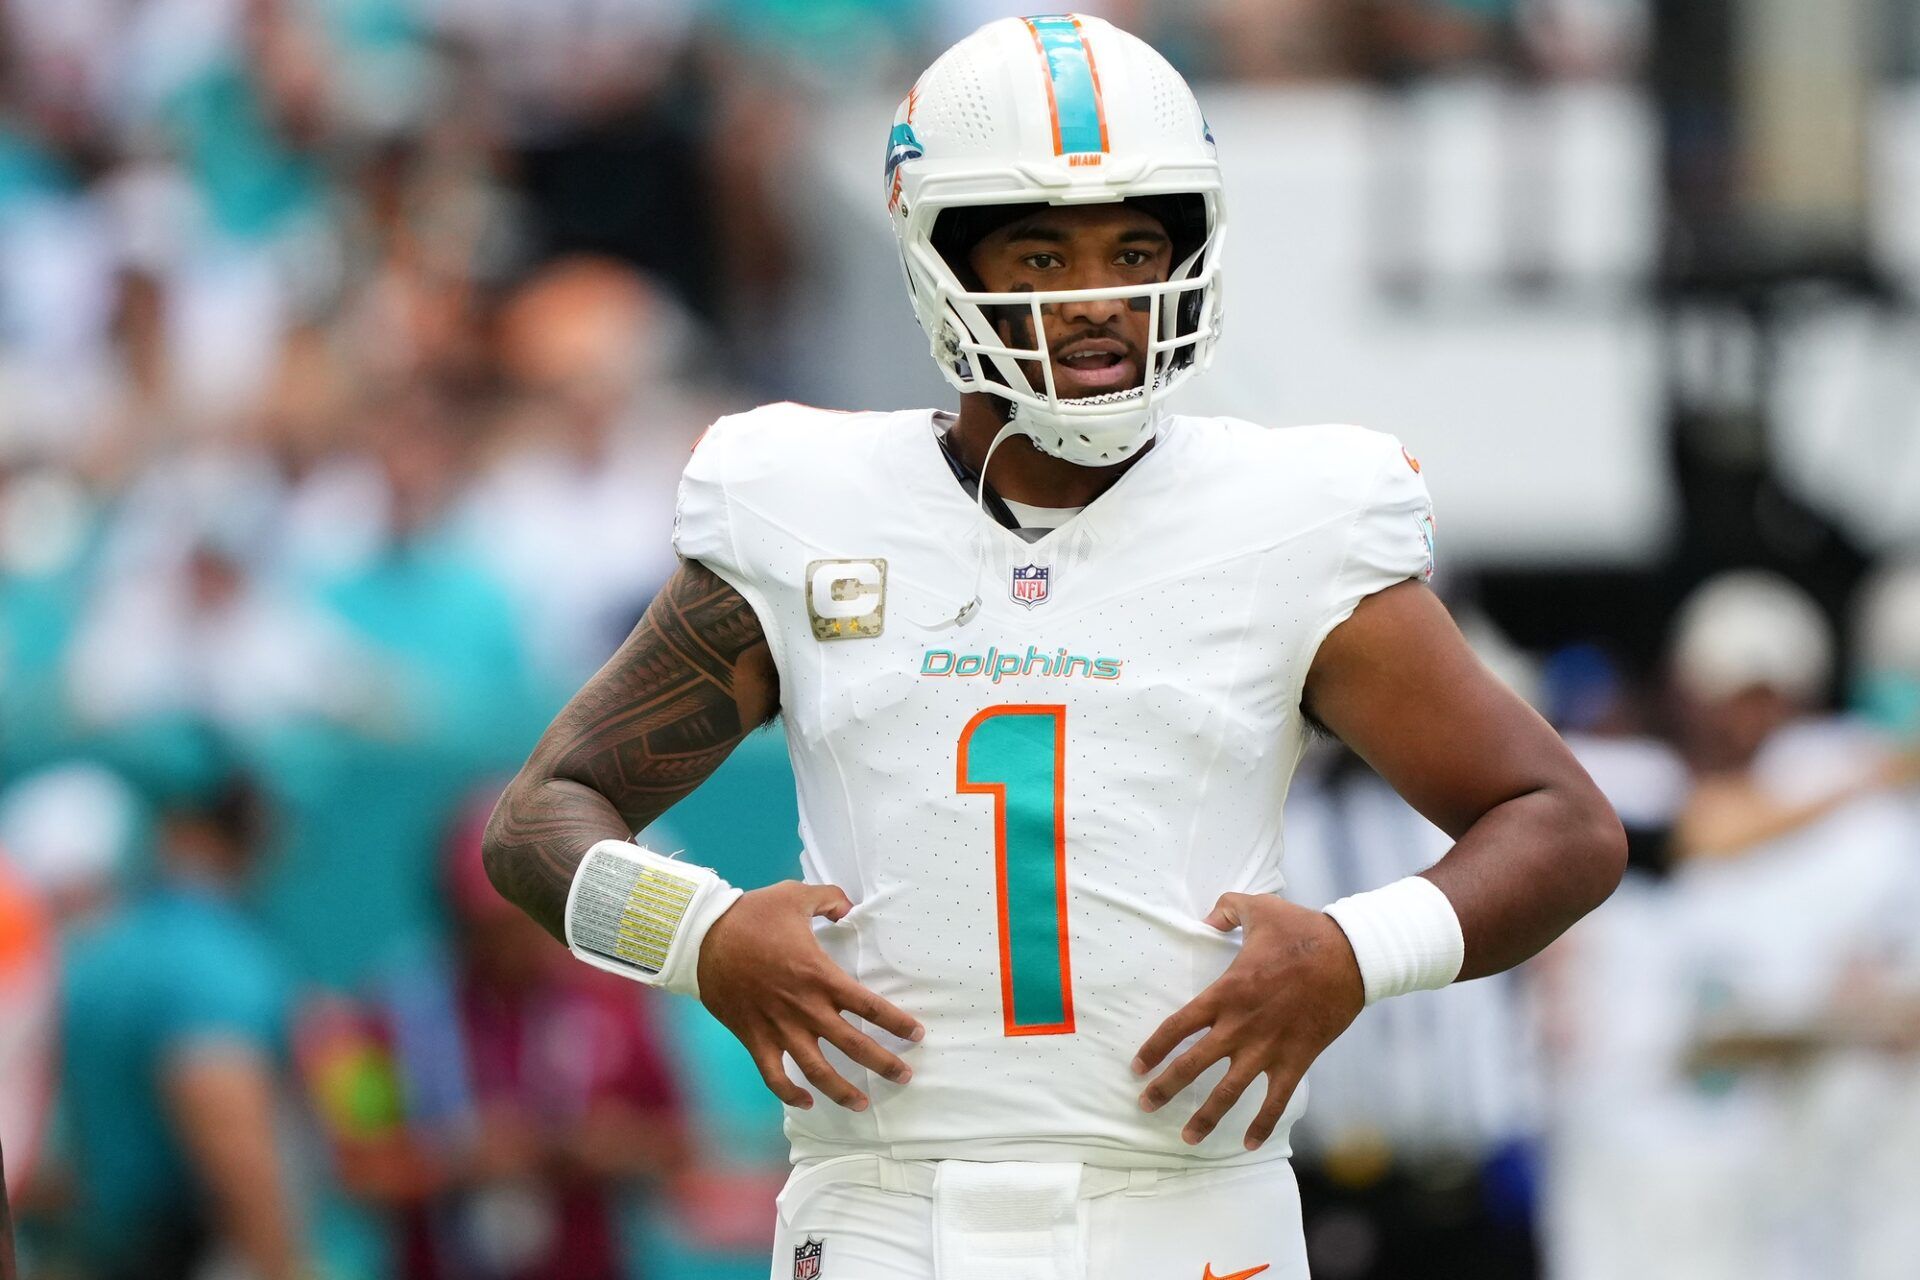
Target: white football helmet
1060, 110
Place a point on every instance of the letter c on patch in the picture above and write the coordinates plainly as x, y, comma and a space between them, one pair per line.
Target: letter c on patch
845, 589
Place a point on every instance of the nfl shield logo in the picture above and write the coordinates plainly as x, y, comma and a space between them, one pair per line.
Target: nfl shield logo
1030, 585
806, 1259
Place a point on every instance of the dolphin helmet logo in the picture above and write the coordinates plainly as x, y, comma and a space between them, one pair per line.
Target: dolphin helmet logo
902, 146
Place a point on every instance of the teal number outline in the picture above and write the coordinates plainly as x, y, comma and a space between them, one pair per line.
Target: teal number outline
1029, 808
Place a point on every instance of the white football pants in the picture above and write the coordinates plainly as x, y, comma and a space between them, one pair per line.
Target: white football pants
864, 1217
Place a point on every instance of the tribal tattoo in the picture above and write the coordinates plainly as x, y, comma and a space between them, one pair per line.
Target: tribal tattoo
693, 679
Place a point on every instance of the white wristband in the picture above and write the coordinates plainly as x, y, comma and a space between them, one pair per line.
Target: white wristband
642, 915
1406, 937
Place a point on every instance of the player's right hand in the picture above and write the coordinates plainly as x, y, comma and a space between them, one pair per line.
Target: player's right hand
767, 979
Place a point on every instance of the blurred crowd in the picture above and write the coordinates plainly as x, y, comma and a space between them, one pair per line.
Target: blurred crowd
349, 352
1718, 1073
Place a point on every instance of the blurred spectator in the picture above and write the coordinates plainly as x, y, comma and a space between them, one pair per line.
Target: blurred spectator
1707, 1033
1256, 40
349, 352
173, 1011
1753, 656
47, 530
574, 508
501, 1100
551, 67
8, 1268
870, 41
1415, 1155
188, 626
744, 820
69, 831
66, 835
1604, 718
27, 1000
612, 127
1886, 689
440, 696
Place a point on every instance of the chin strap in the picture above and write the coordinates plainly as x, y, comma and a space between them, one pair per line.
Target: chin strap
981, 550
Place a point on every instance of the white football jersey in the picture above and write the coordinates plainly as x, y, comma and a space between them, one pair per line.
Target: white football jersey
1032, 810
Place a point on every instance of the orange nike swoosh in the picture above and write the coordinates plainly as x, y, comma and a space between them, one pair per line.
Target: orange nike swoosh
1237, 1275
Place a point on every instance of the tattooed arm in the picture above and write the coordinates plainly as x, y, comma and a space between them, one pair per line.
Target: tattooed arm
694, 678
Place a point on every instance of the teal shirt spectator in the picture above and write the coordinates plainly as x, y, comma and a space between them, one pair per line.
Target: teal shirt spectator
363, 807
27, 170
255, 185
842, 39
178, 970
744, 822
37, 616
41, 601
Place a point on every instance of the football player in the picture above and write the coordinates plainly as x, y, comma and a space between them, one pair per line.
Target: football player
1045, 666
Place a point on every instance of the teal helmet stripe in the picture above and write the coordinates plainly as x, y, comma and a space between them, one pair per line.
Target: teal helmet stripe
1079, 116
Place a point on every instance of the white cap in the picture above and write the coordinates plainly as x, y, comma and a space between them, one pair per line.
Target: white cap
1750, 628
1887, 618
68, 827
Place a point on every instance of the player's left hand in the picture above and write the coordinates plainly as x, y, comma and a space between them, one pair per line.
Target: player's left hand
1291, 991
